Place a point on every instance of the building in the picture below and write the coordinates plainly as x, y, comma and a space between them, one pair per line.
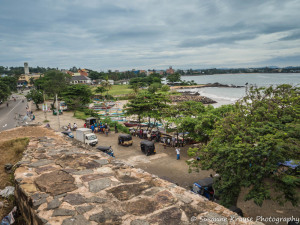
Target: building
26, 68
80, 80
25, 79
170, 70
83, 72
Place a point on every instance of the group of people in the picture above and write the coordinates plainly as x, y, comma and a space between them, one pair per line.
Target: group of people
146, 134
70, 128
30, 114
99, 128
156, 135
172, 141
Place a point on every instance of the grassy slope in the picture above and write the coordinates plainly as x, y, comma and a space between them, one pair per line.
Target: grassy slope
11, 152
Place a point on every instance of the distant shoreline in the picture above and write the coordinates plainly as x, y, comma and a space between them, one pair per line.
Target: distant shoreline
194, 75
205, 85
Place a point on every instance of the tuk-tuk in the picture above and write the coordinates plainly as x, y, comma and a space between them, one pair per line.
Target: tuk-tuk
148, 147
55, 112
89, 121
106, 149
205, 188
125, 139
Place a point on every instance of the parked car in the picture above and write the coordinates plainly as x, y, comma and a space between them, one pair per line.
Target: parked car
106, 149
125, 140
205, 188
68, 133
148, 147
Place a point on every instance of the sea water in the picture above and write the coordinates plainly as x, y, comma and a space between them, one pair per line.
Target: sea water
226, 95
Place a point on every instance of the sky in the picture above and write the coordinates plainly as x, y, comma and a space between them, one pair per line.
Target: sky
149, 34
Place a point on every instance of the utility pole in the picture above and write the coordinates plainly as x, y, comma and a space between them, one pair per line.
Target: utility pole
57, 112
45, 107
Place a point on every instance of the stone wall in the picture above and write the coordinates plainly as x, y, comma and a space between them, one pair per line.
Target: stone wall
63, 182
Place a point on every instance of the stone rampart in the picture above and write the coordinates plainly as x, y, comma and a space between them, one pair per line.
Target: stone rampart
63, 182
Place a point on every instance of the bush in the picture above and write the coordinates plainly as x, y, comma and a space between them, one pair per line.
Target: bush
121, 127
165, 88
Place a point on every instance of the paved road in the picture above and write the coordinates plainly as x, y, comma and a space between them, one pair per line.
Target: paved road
8, 114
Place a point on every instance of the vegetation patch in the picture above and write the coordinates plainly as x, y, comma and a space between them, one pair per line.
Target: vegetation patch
11, 152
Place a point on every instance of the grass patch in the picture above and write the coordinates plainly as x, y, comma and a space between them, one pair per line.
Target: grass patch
46, 121
11, 152
116, 90
80, 115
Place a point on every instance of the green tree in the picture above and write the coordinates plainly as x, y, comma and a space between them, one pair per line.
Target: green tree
77, 95
31, 80
175, 77
36, 96
146, 104
106, 84
136, 87
100, 89
11, 82
54, 82
4, 91
154, 87
248, 144
165, 88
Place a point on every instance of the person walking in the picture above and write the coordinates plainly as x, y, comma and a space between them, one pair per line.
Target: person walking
149, 136
116, 128
93, 128
178, 153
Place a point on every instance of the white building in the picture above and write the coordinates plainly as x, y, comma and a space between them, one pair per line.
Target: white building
80, 80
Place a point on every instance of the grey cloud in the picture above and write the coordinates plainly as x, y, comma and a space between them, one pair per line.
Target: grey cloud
108, 34
200, 42
291, 37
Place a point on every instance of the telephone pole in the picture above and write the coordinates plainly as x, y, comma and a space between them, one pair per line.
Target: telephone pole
57, 112
45, 107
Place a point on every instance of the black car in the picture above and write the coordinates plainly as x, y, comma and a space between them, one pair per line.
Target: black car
106, 149
68, 133
148, 147
125, 140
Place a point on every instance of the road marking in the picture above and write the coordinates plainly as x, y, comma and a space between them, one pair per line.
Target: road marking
11, 110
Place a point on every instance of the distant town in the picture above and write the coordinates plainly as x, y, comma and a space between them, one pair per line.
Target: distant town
27, 74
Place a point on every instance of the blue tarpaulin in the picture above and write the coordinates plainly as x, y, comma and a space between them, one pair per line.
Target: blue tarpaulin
292, 163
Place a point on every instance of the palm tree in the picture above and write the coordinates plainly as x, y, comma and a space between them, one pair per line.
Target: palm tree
107, 85
31, 81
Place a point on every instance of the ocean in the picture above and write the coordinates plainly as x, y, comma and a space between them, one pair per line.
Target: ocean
225, 96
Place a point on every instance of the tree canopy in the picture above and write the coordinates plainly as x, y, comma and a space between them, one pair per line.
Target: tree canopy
146, 104
175, 77
4, 90
36, 96
247, 145
54, 82
77, 95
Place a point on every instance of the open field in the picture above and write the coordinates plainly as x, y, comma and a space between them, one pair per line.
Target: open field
117, 90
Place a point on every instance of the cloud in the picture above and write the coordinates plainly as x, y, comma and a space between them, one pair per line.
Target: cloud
103, 34
295, 35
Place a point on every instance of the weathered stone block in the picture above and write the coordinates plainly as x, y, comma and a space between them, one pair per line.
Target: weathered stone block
98, 185
56, 182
